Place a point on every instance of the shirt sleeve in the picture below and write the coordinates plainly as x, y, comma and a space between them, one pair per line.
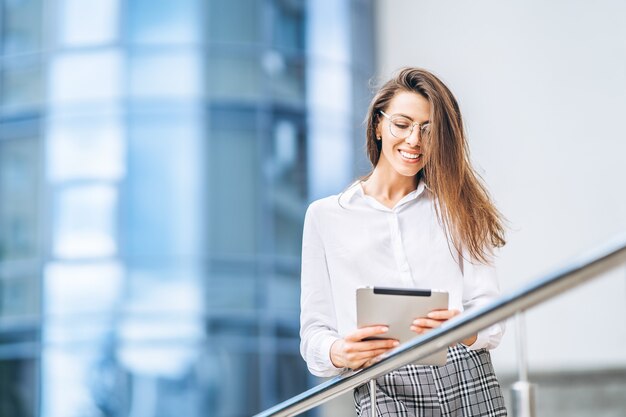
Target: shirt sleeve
480, 286
318, 323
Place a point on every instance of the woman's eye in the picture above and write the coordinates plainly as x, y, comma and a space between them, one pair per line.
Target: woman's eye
401, 125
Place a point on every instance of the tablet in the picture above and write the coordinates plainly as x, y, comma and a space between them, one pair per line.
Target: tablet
397, 308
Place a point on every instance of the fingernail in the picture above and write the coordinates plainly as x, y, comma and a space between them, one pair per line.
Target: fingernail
384, 329
396, 343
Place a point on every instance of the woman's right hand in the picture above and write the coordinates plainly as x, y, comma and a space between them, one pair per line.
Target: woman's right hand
353, 352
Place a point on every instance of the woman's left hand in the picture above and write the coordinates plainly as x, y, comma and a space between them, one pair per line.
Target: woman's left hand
435, 319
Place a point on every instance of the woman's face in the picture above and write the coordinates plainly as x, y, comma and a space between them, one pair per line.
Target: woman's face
403, 155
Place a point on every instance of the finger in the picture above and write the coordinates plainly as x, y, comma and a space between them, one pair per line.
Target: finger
371, 361
356, 360
365, 332
429, 323
419, 330
375, 344
443, 314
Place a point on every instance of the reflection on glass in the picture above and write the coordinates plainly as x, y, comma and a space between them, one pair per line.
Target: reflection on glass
84, 222
14, 375
86, 76
161, 339
235, 21
235, 77
234, 177
164, 204
71, 394
19, 295
87, 22
165, 74
86, 148
238, 373
22, 26
19, 196
288, 169
234, 292
280, 292
289, 25
76, 289
292, 375
287, 78
22, 85
164, 21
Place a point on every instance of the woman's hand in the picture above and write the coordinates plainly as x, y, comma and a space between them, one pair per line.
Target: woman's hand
353, 352
435, 319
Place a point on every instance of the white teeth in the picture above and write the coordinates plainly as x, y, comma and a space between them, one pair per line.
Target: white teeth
409, 155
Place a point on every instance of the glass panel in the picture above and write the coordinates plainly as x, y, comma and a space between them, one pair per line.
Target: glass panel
234, 180
88, 76
22, 85
19, 295
74, 381
87, 22
289, 24
284, 293
18, 387
166, 74
235, 21
22, 24
291, 376
165, 191
287, 78
84, 222
164, 21
328, 31
73, 289
233, 291
235, 77
235, 375
86, 148
288, 169
19, 198
163, 323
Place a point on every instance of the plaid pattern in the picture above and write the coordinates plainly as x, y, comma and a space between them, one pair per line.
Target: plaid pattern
465, 387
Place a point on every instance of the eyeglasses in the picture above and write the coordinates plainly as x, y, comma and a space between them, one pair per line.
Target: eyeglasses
402, 127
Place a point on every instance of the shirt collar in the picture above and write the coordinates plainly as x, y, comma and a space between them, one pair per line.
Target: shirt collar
355, 190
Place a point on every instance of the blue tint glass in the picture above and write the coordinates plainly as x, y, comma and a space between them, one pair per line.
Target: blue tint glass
91, 22
84, 222
19, 197
164, 21
166, 74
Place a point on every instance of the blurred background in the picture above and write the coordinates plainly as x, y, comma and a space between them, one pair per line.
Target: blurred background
157, 158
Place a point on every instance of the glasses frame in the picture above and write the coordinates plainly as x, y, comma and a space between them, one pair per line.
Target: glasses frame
413, 124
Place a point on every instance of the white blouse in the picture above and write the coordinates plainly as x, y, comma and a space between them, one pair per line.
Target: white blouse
365, 243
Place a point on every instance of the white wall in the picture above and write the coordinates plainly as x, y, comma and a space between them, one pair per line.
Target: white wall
542, 86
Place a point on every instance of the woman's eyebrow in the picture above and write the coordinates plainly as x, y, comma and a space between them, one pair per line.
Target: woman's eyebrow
410, 118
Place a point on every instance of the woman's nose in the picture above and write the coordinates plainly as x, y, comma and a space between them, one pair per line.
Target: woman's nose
413, 139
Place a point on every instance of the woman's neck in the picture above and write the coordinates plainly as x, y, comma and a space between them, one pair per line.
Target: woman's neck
388, 186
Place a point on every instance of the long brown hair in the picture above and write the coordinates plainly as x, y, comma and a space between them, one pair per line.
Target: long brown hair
464, 206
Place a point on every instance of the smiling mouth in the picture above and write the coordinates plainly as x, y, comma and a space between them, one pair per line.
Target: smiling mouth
410, 156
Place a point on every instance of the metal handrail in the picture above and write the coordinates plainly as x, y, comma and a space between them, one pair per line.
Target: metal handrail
587, 267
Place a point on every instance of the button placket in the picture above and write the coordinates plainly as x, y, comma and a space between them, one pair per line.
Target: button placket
398, 250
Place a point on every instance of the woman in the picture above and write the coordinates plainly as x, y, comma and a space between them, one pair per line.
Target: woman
420, 219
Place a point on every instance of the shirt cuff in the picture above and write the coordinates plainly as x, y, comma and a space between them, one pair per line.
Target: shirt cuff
324, 365
482, 340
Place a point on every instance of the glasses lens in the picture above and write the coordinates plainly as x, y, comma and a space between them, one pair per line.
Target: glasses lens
400, 127
425, 132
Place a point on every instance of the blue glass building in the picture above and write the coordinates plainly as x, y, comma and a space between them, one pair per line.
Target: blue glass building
156, 160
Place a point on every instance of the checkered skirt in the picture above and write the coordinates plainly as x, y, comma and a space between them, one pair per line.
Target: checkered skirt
465, 387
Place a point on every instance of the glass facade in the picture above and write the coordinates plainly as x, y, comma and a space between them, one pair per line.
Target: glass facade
156, 161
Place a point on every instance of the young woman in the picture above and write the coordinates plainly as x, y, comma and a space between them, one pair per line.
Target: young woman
420, 219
